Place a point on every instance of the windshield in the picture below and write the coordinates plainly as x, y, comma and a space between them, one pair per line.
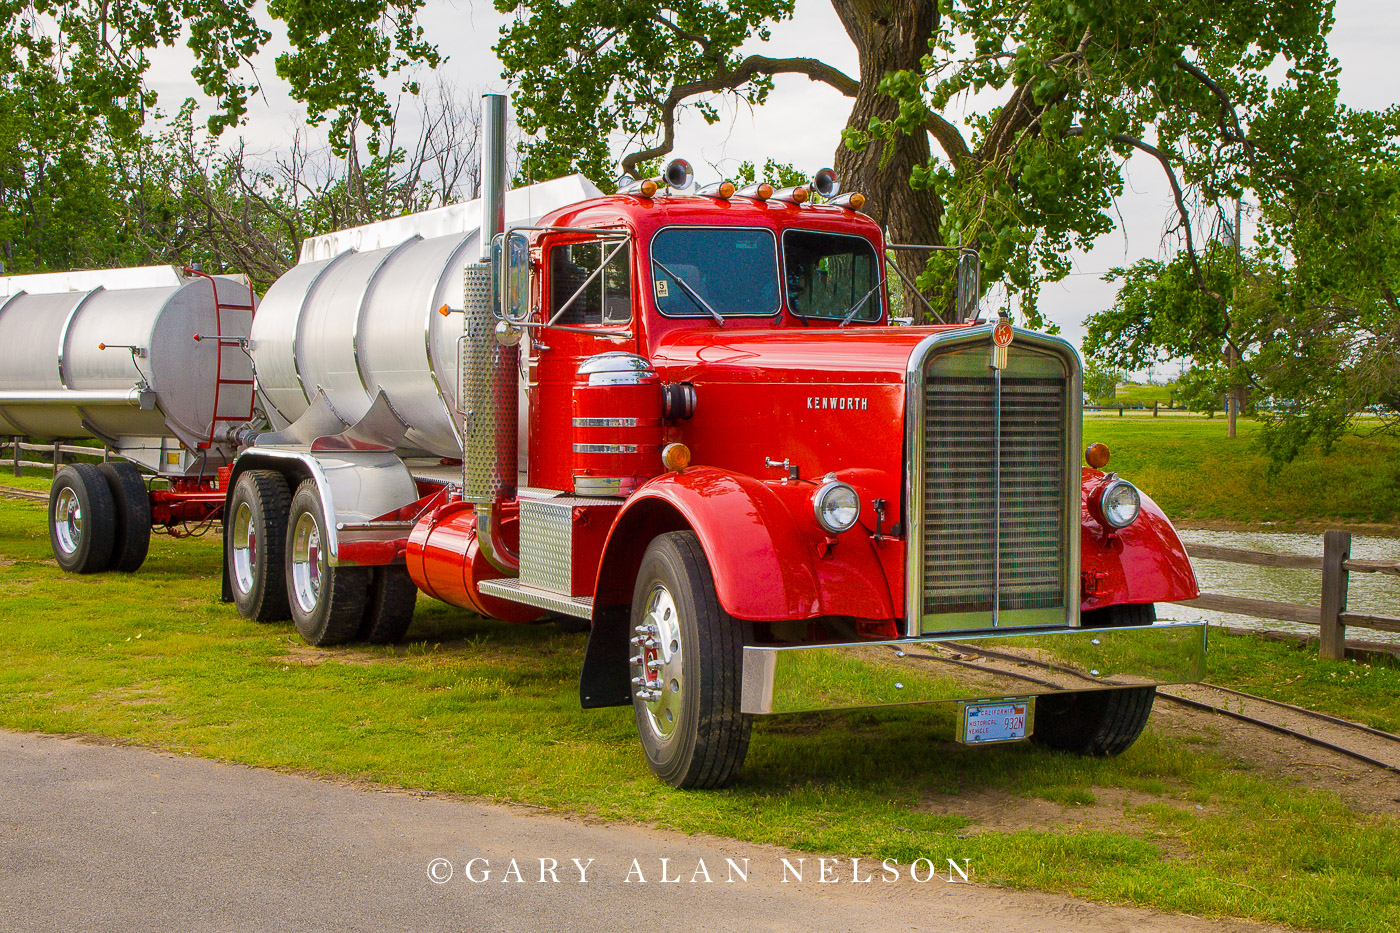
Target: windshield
831, 275
708, 271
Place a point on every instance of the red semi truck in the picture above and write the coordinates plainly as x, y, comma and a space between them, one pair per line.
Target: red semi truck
685, 420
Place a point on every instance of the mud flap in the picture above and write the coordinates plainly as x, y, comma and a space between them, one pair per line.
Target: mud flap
605, 678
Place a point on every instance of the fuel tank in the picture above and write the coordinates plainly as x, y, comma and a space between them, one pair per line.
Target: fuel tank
359, 314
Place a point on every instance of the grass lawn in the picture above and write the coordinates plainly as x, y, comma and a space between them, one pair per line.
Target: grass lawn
490, 710
1188, 465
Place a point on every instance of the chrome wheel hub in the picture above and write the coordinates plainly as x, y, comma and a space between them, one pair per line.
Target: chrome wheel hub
308, 568
245, 548
68, 520
658, 674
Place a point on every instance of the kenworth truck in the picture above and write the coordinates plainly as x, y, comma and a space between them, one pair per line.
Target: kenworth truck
684, 418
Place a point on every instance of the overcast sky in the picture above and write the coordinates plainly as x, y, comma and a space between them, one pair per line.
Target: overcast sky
802, 121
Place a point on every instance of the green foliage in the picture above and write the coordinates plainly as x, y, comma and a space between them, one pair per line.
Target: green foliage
778, 174
1100, 382
591, 68
100, 54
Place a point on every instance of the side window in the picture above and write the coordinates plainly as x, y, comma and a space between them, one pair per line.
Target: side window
607, 299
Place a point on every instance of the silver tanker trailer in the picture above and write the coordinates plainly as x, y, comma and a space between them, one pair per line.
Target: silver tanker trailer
149, 361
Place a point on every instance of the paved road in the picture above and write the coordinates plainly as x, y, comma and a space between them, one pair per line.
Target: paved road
106, 838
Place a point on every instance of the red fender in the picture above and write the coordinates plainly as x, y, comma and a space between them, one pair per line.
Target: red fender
767, 561
1143, 563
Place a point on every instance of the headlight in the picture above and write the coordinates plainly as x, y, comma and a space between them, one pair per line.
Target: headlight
1119, 503
837, 506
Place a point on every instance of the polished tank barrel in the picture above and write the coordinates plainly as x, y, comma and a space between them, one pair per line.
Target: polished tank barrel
112, 355
360, 315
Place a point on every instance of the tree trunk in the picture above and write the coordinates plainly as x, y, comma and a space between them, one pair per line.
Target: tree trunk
891, 35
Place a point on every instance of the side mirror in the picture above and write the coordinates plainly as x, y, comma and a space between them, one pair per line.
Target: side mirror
512, 254
969, 285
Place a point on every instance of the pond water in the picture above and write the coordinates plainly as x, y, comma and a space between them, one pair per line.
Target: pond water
1367, 592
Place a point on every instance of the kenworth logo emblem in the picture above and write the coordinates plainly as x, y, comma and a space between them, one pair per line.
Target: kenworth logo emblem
838, 403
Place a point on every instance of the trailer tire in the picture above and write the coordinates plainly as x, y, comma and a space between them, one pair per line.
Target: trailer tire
133, 509
1101, 723
253, 546
692, 730
327, 603
388, 606
82, 519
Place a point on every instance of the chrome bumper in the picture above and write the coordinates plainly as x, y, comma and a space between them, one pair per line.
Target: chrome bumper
955, 667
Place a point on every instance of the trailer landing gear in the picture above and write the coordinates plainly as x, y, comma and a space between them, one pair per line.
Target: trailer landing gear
687, 668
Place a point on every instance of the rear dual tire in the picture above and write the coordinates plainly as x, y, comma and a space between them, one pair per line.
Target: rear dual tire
99, 518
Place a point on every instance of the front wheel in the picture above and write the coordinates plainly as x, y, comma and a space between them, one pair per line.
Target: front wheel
327, 602
1098, 722
687, 668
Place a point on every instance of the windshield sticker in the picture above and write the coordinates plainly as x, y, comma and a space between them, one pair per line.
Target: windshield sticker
661, 288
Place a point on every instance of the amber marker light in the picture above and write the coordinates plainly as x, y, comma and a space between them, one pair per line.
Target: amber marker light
726, 189
676, 456
857, 201
647, 189
1096, 455
799, 195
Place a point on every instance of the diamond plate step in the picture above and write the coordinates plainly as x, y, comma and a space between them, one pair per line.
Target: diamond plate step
517, 592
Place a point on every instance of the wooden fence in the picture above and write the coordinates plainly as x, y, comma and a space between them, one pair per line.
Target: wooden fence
1332, 615
56, 451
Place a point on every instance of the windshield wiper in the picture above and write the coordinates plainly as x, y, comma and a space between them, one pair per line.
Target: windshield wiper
694, 295
854, 309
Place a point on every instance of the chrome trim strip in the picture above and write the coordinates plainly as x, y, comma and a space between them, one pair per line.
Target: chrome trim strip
606, 448
605, 422
804, 678
914, 384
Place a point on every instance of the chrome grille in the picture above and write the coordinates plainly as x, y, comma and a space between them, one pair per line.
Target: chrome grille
964, 539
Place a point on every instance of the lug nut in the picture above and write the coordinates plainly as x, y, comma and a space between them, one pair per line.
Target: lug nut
656, 664
635, 660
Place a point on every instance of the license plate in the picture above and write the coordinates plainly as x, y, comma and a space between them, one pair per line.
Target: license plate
996, 721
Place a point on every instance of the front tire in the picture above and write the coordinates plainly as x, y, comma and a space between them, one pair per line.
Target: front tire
257, 533
687, 670
327, 603
82, 519
1101, 723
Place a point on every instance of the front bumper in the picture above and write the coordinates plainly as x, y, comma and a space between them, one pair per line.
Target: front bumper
956, 667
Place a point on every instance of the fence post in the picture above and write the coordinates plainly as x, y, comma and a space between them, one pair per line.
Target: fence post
1120, 411
1336, 548
1154, 408
19, 470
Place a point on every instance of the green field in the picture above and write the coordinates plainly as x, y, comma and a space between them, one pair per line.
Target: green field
490, 710
1135, 393
1188, 465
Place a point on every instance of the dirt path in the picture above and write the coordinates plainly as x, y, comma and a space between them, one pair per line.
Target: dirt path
97, 837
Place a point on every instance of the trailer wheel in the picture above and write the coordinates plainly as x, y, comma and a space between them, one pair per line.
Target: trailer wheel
389, 606
327, 602
133, 509
257, 533
1098, 722
687, 669
82, 519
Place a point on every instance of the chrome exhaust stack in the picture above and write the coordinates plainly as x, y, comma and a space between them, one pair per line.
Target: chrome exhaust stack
489, 367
